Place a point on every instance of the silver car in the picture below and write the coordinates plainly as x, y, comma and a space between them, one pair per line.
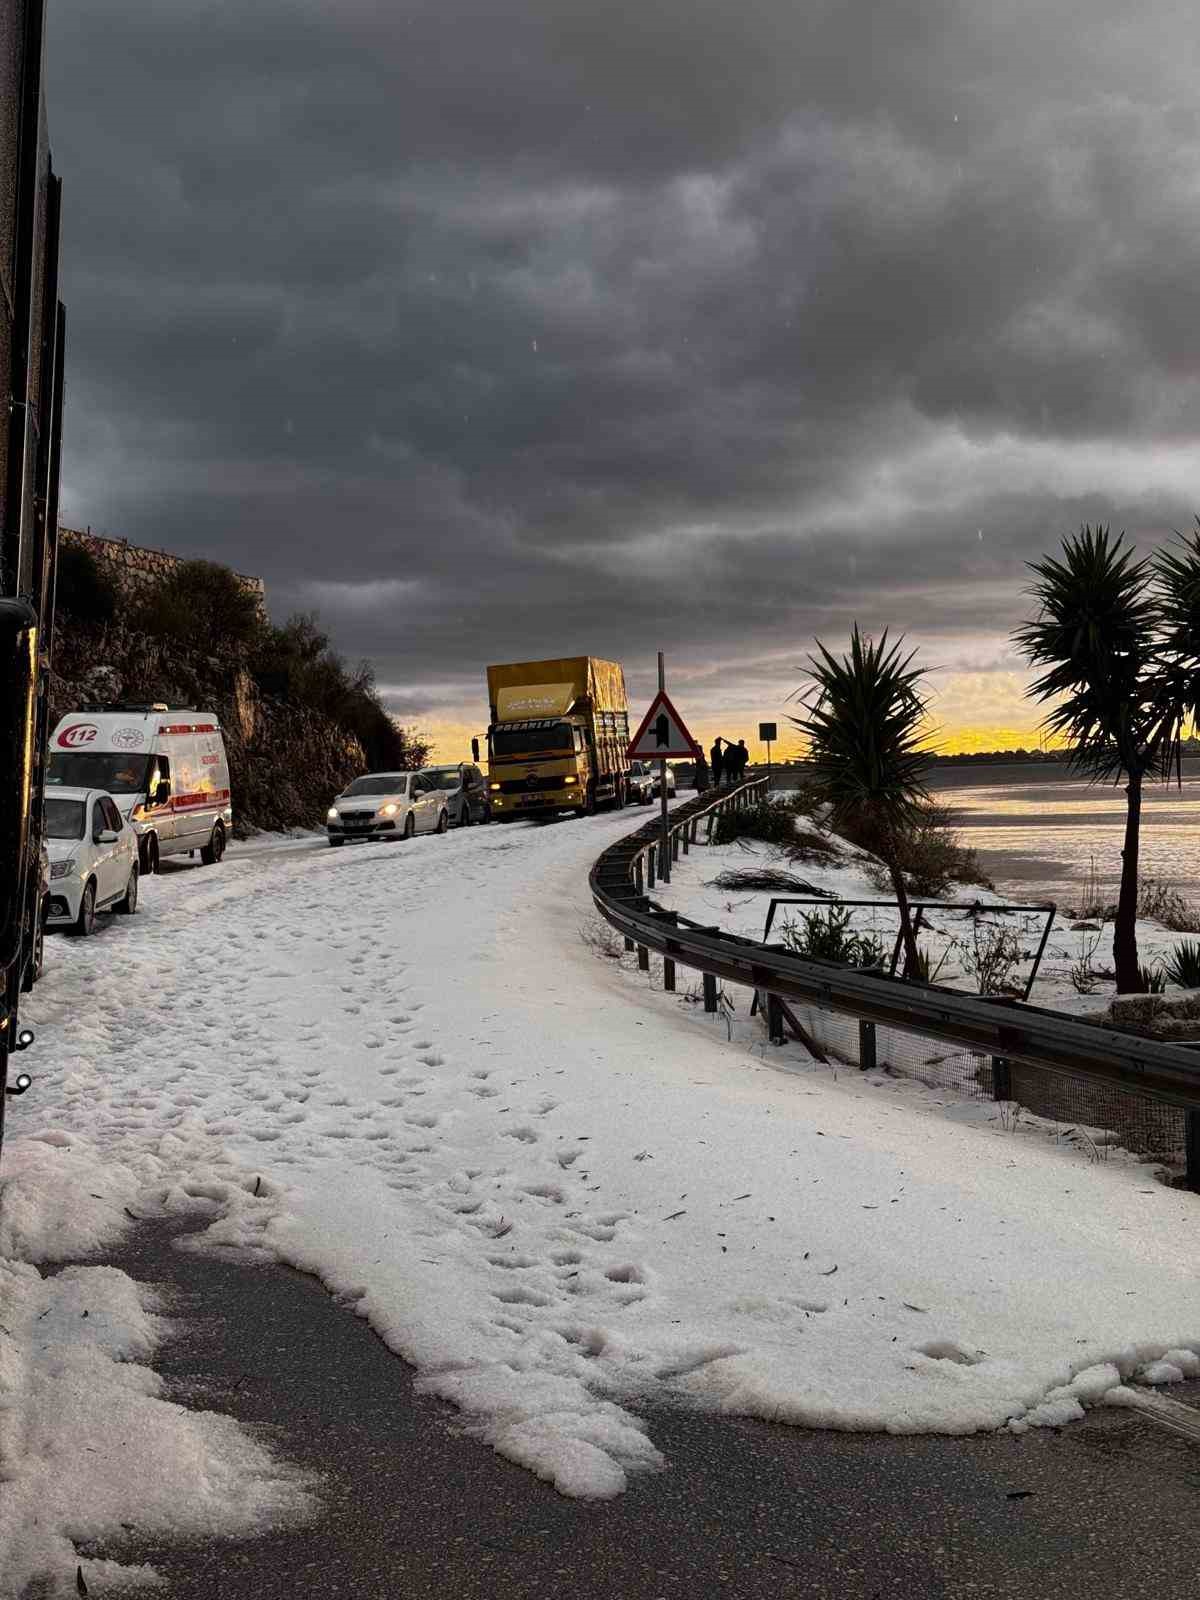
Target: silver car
387, 805
465, 790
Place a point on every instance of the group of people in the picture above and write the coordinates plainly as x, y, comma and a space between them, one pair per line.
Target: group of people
726, 765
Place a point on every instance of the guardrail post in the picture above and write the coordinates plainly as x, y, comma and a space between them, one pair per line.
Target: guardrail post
1192, 1147
643, 958
1001, 1079
637, 876
651, 855
668, 975
628, 943
866, 1046
774, 1019
710, 992
686, 831
674, 847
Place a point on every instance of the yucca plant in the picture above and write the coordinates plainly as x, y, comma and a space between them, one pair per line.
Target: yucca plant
1183, 964
1097, 634
864, 719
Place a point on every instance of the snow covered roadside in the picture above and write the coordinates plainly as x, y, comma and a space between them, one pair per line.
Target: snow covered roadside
556, 1190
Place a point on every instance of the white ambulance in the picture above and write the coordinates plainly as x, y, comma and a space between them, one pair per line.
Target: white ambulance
165, 768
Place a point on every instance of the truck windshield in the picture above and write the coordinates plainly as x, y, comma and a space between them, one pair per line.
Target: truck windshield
557, 738
64, 819
98, 769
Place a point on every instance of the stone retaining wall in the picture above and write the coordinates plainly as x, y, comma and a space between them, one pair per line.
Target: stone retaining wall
133, 567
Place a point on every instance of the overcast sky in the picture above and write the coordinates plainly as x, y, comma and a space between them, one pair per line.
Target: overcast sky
496, 329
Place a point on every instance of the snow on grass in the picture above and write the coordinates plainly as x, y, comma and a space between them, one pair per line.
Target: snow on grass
413, 1071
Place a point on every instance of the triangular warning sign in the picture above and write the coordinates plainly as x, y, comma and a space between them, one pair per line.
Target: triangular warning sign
662, 735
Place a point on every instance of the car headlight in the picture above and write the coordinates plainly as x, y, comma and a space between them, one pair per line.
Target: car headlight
494, 787
388, 810
570, 780
62, 869
332, 814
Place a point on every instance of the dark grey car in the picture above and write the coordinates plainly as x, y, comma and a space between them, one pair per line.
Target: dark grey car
465, 791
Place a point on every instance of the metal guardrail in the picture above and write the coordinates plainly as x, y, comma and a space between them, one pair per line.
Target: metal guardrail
1010, 1031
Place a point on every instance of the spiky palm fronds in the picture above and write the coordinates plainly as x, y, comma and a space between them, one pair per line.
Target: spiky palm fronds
1177, 575
1096, 637
864, 719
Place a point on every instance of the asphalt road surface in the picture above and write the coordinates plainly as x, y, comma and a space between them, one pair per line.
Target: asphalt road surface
412, 1507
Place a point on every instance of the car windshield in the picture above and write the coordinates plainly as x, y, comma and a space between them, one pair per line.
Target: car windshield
444, 777
377, 783
532, 741
98, 769
65, 819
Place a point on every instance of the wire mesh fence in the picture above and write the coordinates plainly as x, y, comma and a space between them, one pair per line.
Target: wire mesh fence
1087, 1111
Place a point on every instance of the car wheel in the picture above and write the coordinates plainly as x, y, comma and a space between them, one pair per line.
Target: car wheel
410, 826
443, 821
211, 853
85, 922
129, 904
335, 842
464, 815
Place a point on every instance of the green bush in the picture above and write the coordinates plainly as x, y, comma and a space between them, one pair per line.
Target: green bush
828, 936
1153, 979
771, 821
83, 591
1183, 964
203, 606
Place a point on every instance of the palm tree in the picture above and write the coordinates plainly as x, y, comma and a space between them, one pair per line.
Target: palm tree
1097, 635
864, 719
1177, 573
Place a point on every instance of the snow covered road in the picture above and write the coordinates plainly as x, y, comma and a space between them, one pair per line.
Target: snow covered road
556, 1190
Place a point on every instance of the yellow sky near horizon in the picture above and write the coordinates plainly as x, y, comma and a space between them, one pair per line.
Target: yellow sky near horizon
970, 711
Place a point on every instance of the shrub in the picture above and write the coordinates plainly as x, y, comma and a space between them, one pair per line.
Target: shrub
991, 957
929, 854
202, 606
1160, 903
772, 821
1153, 980
1183, 964
83, 591
828, 936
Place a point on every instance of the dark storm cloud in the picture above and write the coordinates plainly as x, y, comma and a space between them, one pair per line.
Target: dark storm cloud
512, 328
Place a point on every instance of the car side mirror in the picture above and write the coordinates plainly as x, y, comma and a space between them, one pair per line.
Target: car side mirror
475, 750
162, 791
105, 836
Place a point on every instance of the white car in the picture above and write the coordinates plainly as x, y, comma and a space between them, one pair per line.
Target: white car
657, 791
93, 858
388, 805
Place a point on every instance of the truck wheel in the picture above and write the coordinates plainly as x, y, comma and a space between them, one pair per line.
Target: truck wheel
589, 807
211, 853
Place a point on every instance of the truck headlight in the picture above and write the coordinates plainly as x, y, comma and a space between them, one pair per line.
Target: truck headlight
332, 814
494, 787
570, 780
62, 869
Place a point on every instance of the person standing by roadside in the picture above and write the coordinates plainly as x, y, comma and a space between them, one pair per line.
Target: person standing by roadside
742, 756
700, 773
718, 762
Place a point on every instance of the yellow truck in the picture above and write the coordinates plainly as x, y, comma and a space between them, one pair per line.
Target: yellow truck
557, 737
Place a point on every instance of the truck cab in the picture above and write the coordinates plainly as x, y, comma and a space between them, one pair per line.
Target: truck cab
557, 737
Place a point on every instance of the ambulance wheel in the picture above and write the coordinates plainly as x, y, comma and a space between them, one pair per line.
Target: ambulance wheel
148, 854
211, 853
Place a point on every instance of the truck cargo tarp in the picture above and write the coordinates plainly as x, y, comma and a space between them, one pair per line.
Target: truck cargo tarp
512, 686
536, 700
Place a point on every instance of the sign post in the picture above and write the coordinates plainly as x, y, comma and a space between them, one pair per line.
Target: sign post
662, 737
768, 733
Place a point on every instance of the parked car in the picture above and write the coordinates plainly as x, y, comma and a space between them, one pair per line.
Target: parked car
387, 805
670, 784
639, 785
166, 770
93, 858
465, 790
